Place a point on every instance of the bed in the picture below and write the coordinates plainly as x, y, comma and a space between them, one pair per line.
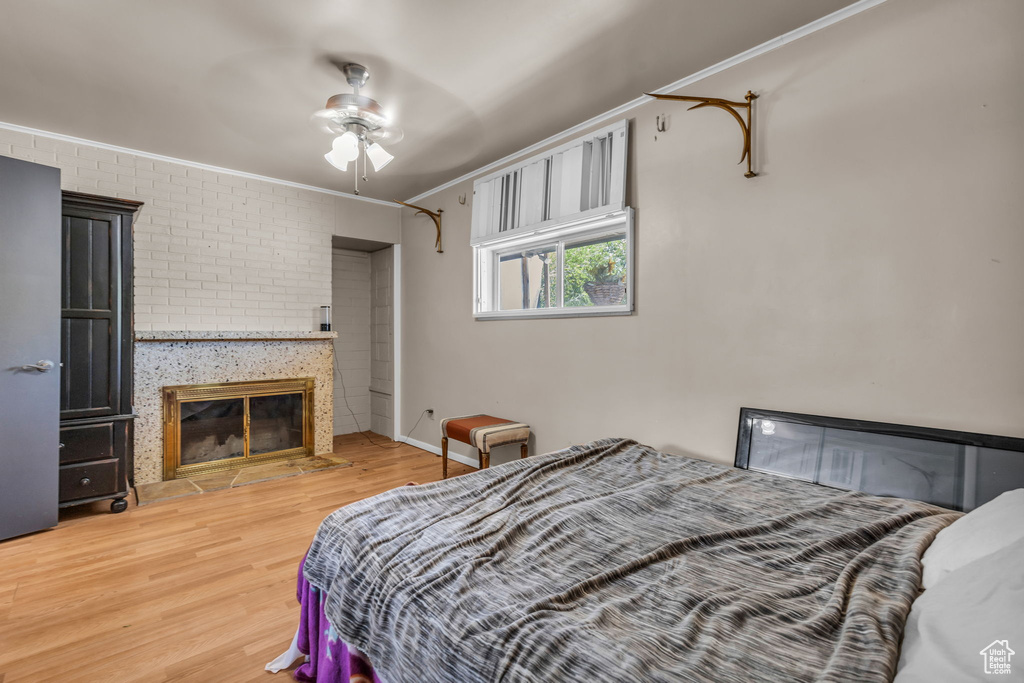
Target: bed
611, 561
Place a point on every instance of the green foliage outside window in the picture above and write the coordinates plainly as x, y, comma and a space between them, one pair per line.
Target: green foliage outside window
601, 262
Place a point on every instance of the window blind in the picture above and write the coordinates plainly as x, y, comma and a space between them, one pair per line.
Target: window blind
582, 177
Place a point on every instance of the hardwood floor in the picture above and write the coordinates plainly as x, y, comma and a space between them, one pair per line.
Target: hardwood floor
200, 588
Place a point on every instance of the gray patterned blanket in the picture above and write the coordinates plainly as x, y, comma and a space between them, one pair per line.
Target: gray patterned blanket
614, 562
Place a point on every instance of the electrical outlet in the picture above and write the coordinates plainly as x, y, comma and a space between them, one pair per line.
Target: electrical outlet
430, 413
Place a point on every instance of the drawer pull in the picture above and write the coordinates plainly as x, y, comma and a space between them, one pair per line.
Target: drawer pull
85, 481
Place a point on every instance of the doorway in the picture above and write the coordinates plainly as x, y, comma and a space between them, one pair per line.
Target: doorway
363, 312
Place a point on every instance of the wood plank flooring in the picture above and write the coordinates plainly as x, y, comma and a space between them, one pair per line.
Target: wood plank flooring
200, 588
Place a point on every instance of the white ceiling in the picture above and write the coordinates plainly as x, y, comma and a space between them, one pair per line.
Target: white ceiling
232, 83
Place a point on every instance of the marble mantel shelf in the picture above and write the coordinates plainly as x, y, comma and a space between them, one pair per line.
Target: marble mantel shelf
225, 336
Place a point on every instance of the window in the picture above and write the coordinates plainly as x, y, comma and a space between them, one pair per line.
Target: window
583, 268
528, 278
552, 235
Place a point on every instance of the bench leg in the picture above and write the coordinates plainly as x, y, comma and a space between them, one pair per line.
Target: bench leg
523, 452
485, 459
444, 457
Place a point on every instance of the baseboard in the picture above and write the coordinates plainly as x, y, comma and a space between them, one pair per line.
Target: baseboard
423, 445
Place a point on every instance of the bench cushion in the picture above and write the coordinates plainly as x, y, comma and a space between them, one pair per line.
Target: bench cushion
485, 431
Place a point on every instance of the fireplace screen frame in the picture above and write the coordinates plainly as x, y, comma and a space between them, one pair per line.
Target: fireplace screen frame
175, 396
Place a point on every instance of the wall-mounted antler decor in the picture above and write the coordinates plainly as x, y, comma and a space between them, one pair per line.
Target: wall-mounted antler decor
434, 215
728, 106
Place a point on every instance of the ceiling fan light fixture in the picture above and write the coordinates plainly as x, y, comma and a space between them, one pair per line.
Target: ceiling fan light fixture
360, 124
346, 146
344, 109
340, 165
378, 156
344, 149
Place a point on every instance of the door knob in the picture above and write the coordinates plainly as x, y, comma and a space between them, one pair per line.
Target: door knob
41, 366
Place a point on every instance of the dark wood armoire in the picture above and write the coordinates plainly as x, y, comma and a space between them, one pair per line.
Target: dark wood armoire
96, 350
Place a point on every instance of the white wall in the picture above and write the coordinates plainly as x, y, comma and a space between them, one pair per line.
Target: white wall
351, 286
362, 295
382, 366
874, 270
216, 251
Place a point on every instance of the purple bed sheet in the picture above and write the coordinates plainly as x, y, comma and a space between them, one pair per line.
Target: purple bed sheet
331, 660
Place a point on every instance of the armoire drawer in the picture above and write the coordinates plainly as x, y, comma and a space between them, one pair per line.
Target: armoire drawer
90, 480
83, 443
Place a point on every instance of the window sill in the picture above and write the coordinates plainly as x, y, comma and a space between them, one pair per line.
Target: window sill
533, 314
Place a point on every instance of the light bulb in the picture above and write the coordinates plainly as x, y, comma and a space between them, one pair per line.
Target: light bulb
379, 157
346, 146
340, 165
344, 149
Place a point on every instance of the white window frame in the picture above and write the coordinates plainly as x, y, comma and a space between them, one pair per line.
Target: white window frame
486, 273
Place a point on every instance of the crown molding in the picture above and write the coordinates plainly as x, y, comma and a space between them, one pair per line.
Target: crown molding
767, 46
185, 162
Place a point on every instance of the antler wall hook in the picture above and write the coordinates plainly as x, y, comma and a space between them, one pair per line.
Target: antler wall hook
434, 215
728, 106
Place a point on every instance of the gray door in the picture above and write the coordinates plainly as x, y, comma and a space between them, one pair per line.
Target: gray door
29, 336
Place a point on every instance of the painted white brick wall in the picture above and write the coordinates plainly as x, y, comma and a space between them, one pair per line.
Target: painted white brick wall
213, 251
382, 367
351, 318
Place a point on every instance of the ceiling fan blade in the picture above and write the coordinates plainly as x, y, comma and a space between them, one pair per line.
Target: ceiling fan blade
325, 123
388, 135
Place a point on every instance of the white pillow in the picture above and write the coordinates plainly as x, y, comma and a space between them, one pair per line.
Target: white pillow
977, 608
981, 532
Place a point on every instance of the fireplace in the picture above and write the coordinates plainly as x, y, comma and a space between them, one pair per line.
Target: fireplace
214, 427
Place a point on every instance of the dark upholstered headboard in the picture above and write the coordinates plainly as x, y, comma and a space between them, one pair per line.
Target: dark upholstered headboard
957, 470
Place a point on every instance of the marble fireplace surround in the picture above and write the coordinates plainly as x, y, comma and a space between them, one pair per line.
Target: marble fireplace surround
172, 358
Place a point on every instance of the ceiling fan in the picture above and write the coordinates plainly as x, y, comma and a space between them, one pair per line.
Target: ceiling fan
359, 124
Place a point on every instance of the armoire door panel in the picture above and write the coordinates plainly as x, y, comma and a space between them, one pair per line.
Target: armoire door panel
90, 348
90, 265
89, 388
